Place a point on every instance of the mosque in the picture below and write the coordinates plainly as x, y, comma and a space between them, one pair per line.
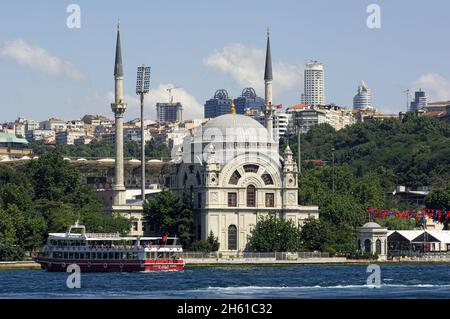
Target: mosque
232, 168
235, 174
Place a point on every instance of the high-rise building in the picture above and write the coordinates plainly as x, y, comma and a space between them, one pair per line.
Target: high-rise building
314, 89
419, 102
219, 105
169, 112
363, 99
248, 100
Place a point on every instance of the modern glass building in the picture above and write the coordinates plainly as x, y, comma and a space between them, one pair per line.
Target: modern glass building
169, 112
220, 104
248, 100
419, 102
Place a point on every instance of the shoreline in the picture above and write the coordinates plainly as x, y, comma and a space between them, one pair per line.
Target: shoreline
31, 265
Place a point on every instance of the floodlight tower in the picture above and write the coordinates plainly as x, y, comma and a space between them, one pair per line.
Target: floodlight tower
142, 88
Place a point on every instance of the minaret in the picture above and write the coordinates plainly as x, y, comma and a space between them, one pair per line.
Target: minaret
268, 78
118, 107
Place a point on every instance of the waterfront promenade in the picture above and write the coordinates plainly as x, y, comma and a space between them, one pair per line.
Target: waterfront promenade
261, 261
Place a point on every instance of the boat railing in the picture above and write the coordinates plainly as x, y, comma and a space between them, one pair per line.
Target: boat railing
103, 235
108, 248
163, 246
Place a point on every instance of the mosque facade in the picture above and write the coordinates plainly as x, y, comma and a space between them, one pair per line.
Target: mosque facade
232, 169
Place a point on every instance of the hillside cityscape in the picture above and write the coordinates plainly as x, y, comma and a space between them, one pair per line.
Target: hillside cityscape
254, 197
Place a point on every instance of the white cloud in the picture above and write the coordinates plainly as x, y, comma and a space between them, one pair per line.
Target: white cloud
192, 109
435, 86
245, 64
39, 59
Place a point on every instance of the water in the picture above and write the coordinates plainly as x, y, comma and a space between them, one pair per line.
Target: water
316, 281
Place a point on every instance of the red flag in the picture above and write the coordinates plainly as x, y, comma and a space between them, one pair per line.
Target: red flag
279, 106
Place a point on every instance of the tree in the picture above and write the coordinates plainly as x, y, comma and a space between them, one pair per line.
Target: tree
52, 178
273, 234
208, 245
10, 248
171, 215
438, 199
315, 234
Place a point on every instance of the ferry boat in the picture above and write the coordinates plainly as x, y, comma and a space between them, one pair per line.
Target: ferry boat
96, 252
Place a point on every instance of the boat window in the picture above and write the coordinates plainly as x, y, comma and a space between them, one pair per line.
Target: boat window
70, 255
105, 255
147, 255
65, 255
116, 255
111, 255
76, 255
160, 255
99, 255
129, 255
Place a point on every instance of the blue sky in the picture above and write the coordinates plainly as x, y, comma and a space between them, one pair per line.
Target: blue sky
204, 45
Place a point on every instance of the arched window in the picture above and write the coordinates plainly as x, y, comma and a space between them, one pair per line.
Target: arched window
251, 196
235, 178
232, 237
250, 168
378, 247
267, 179
367, 246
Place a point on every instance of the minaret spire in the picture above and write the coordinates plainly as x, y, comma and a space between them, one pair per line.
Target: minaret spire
118, 67
268, 78
268, 71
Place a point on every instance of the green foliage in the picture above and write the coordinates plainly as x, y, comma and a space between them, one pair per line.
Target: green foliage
273, 234
411, 152
46, 196
208, 245
170, 215
341, 211
439, 199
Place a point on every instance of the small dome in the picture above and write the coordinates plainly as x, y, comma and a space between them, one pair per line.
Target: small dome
371, 225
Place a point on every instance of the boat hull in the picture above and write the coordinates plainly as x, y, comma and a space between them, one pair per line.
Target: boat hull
58, 265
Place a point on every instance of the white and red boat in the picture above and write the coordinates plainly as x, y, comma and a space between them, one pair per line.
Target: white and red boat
109, 252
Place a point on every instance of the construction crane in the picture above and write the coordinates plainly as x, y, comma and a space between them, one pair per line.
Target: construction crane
170, 93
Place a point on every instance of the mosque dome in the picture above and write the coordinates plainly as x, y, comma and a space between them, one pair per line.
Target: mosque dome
234, 127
